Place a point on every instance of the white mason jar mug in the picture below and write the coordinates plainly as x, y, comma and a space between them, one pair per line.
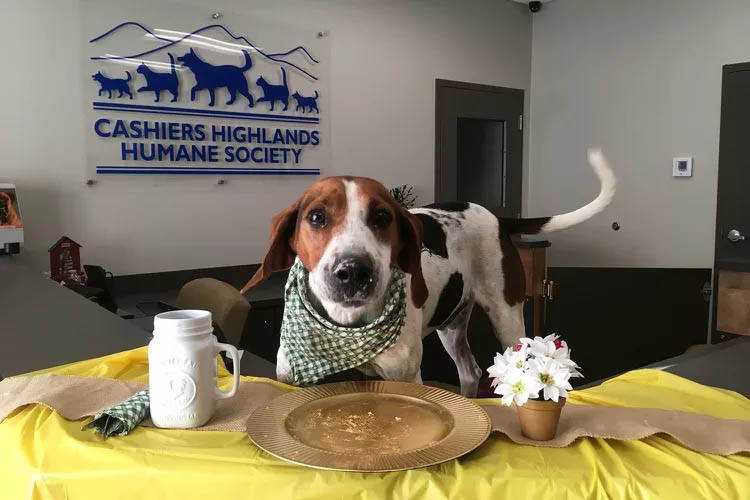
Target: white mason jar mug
182, 369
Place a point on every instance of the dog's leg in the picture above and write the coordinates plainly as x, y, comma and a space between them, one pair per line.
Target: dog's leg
120, 91
192, 92
212, 96
232, 95
174, 95
402, 361
100, 91
246, 93
286, 103
455, 341
110, 94
272, 102
283, 368
507, 320
158, 95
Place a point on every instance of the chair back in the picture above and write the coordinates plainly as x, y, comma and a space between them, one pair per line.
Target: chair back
227, 305
96, 277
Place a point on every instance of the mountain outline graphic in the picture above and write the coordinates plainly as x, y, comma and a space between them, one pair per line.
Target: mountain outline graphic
275, 57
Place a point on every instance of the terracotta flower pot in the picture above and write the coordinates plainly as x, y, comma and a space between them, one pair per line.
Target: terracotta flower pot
539, 418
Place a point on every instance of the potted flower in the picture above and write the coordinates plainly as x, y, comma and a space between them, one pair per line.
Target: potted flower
534, 367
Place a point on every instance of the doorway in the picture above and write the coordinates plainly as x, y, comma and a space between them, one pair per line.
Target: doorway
479, 145
731, 313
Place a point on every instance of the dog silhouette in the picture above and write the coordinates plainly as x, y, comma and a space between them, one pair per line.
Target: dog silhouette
272, 93
306, 102
109, 84
156, 82
210, 77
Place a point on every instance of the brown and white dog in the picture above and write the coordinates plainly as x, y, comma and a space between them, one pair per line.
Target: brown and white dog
347, 231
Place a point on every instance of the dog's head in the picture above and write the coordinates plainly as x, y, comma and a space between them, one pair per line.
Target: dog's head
4, 200
190, 59
261, 81
142, 68
347, 231
98, 76
296, 95
5, 208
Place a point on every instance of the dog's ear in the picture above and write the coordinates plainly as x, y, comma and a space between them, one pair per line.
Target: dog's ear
280, 253
410, 254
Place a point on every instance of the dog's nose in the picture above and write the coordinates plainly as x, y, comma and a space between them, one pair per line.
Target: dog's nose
353, 275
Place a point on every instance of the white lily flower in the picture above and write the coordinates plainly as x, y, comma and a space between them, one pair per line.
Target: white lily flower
552, 376
562, 356
517, 386
539, 346
513, 357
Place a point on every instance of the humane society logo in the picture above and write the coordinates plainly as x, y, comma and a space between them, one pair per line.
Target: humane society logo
264, 124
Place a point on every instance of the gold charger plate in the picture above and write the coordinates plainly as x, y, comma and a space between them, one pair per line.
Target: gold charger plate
370, 426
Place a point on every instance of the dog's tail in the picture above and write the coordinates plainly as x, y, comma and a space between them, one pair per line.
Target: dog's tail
316, 94
128, 78
540, 225
248, 61
283, 78
171, 61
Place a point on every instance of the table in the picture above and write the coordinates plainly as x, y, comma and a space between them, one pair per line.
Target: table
47, 457
725, 365
43, 324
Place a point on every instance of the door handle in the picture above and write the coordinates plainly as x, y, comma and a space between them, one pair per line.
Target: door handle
734, 236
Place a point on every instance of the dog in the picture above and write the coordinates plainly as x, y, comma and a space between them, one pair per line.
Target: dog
8, 215
306, 102
121, 85
210, 77
348, 231
273, 93
156, 82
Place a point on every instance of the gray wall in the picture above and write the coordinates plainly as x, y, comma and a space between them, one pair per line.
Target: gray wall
643, 80
386, 53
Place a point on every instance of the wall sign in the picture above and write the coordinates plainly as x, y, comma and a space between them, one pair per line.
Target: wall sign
208, 98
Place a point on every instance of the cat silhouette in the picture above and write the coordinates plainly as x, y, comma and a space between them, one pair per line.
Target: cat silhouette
272, 93
156, 82
210, 77
109, 84
306, 102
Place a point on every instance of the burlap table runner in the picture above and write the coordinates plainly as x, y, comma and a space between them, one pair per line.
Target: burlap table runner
78, 397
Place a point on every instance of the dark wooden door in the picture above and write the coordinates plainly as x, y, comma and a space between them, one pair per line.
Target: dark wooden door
479, 145
732, 251
619, 319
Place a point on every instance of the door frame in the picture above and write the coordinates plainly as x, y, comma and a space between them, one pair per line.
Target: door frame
442, 179
719, 230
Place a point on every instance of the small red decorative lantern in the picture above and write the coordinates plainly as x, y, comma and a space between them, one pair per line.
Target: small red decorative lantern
65, 261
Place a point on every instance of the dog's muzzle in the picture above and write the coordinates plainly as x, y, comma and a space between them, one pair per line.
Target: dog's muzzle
352, 279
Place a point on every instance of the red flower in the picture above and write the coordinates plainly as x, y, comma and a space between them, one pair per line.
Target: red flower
519, 347
558, 344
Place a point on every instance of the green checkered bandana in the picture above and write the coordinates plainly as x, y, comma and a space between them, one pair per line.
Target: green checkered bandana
121, 418
315, 347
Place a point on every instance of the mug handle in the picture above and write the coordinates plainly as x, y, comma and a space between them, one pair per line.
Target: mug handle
235, 355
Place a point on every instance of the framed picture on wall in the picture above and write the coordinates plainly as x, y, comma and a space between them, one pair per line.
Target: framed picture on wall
11, 223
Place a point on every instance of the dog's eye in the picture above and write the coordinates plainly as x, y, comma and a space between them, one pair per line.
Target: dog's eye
316, 218
381, 218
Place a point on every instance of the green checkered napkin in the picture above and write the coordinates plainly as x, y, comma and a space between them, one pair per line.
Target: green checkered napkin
121, 418
315, 347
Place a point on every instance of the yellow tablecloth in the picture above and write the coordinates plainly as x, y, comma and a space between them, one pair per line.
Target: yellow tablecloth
43, 456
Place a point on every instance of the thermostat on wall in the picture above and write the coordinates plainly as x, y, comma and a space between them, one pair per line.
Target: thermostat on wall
682, 167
